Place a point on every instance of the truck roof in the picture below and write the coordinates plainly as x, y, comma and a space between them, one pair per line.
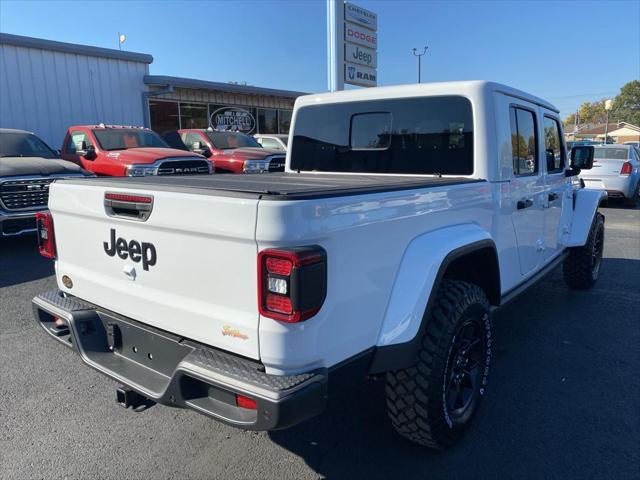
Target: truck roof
468, 88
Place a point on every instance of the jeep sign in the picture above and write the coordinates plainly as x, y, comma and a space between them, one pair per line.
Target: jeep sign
233, 119
360, 55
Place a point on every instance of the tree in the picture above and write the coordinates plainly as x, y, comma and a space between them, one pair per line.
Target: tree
626, 106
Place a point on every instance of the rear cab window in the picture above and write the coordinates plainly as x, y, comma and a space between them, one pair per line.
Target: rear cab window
612, 153
555, 153
524, 141
425, 135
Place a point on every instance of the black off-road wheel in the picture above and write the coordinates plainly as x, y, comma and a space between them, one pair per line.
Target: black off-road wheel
433, 402
581, 268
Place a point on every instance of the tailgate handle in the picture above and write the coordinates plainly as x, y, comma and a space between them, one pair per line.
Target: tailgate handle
131, 206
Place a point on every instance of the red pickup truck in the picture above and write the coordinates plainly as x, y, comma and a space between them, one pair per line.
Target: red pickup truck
232, 152
128, 151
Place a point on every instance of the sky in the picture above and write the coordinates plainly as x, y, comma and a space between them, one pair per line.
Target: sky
567, 52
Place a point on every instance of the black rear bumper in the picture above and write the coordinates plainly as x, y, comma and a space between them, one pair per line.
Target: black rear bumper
178, 372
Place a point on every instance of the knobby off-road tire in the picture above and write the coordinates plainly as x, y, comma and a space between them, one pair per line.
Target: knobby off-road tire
582, 266
424, 401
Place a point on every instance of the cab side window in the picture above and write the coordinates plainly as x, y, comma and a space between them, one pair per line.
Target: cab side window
553, 148
77, 141
524, 141
190, 138
269, 143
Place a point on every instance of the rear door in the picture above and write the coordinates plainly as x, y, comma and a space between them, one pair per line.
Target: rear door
527, 186
189, 268
558, 201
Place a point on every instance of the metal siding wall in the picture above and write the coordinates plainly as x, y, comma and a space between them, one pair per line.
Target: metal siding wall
223, 98
46, 91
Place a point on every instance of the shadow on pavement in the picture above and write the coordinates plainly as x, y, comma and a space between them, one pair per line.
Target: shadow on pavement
554, 407
20, 261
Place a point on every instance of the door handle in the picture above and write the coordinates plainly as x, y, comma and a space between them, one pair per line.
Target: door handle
526, 203
553, 197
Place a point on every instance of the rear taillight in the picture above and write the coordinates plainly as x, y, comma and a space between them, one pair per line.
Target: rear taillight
292, 283
626, 168
246, 402
46, 237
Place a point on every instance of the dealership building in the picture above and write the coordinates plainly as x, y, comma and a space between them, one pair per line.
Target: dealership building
46, 86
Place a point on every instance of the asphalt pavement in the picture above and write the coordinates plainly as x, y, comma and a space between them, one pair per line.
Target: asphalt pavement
563, 398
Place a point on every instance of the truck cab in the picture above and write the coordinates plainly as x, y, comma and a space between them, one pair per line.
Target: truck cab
111, 150
233, 152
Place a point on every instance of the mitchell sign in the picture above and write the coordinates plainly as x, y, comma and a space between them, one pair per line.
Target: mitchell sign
233, 119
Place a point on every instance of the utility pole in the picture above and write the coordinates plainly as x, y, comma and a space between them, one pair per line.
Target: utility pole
419, 55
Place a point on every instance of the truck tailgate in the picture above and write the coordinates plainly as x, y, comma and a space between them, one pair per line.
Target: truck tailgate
201, 283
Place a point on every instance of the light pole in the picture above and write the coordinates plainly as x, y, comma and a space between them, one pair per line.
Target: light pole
419, 55
607, 106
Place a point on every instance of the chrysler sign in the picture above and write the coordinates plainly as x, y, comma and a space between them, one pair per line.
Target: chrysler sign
361, 16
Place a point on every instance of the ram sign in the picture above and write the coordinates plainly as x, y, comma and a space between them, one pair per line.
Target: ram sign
360, 75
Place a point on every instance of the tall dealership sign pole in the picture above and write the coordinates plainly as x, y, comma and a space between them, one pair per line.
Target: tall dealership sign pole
352, 45
335, 44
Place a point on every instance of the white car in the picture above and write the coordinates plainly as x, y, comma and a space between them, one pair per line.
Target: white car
276, 141
616, 169
406, 215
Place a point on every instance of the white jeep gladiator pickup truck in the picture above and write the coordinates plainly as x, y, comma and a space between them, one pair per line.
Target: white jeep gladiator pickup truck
404, 217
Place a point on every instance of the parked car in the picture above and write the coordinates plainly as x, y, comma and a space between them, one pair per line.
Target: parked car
232, 152
274, 141
404, 218
114, 150
616, 169
27, 168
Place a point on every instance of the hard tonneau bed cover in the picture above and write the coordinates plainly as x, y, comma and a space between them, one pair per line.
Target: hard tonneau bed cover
279, 186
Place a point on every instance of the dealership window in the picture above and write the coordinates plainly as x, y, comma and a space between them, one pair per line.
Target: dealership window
193, 115
428, 135
267, 120
284, 117
164, 116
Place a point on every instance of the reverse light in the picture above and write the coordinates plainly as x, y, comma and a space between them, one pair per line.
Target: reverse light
292, 283
46, 237
627, 168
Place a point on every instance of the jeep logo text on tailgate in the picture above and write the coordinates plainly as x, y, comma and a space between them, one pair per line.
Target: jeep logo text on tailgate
133, 250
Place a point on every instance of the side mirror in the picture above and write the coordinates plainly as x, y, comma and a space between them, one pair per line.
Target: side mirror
207, 152
89, 153
581, 159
